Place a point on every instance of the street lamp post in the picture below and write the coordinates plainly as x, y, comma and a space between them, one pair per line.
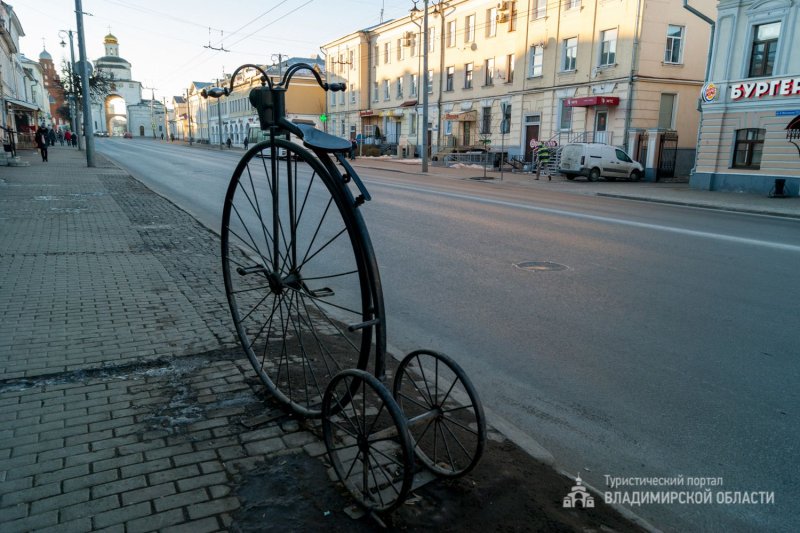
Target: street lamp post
84, 72
189, 113
73, 104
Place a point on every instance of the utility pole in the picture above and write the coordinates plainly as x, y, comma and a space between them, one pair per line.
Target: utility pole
167, 132
152, 119
425, 89
87, 93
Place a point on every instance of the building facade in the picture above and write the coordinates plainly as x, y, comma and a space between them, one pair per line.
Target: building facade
750, 133
19, 113
123, 109
54, 92
508, 75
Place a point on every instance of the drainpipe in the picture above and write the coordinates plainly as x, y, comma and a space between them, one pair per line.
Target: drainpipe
634, 59
713, 25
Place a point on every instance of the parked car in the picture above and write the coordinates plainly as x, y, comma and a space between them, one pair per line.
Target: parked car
595, 160
128, 135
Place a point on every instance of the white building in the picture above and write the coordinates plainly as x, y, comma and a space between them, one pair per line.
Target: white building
123, 109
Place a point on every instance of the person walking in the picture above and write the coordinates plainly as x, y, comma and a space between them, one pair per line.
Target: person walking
42, 141
68, 137
74, 139
60, 138
51, 136
543, 155
353, 149
246, 142
228, 142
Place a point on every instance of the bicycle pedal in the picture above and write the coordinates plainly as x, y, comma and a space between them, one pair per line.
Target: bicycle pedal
322, 293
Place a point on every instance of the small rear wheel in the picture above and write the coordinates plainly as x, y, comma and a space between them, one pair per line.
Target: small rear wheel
636, 175
594, 174
445, 416
367, 440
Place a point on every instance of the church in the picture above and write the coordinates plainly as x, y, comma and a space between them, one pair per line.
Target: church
123, 109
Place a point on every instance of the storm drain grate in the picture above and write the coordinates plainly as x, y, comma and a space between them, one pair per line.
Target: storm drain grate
540, 266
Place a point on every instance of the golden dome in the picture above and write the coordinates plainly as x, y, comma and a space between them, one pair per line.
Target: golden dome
110, 39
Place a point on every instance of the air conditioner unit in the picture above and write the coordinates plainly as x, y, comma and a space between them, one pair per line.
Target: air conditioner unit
406, 42
408, 35
503, 6
502, 17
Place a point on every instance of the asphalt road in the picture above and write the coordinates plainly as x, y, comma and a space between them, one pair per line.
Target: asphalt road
666, 347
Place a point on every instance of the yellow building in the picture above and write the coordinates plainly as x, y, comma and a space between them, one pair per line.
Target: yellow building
623, 72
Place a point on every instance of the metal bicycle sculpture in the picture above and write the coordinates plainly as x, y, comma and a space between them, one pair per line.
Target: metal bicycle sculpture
305, 295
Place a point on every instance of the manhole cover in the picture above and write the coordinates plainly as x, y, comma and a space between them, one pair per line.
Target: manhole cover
540, 266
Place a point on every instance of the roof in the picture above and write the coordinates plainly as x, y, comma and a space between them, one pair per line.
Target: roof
112, 59
45, 55
179, 99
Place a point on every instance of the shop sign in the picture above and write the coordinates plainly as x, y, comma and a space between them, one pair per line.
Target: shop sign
759, 89
367, 113
709, 92
787, 112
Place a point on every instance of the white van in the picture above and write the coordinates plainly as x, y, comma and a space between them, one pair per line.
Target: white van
594, 160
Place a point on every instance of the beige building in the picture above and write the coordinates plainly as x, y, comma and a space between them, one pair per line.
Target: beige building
624, 72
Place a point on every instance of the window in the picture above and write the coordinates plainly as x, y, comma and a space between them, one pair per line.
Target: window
375, 94
352, 94
608, 48
385, 89
431, 39
376, 56
488, 69
573, 4
486, 120
333, 99
765, 43
569, 50
341, 97
539, 9
451, 33
748, 148
399, 49
468, 76
512, 16
674, 51
469, 31
448, 127
341, 62
351, 60
387, 48
412, 123
399, 85
536, 61
565, 121
491, 22
666, 112
451, 72
505, 125
429, 82
414, 84
509, 68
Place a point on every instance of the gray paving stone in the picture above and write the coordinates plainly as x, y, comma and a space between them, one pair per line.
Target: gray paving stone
90, 508
154, 492
213, 507
182, 499
122, 515
205, 525
202, 481
155, 522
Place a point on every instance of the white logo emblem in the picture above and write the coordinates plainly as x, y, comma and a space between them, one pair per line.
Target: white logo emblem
579, 496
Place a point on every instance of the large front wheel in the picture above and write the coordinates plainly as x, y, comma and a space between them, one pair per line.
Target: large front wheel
298, 278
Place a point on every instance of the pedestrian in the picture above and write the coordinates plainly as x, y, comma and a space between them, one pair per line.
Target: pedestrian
68, 137
246, 142
228, 142
51, 136
42, 141
60, 137
162, 135
353, 148
74, 139
544, 158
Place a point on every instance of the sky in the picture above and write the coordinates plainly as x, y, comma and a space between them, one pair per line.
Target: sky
165, 41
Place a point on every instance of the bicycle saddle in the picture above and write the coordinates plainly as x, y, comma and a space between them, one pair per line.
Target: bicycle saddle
323, 141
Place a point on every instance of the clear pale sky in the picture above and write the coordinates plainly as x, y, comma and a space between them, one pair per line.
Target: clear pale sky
164, 40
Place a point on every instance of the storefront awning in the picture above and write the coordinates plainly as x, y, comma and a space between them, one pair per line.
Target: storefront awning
408, 103
366, 113
589, 101
20, 104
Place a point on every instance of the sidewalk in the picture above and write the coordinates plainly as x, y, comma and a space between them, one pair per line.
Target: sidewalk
668, 192
126, 404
